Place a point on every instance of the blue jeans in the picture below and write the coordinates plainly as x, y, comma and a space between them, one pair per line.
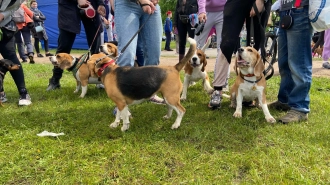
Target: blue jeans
295, 61
25, 32
129, 17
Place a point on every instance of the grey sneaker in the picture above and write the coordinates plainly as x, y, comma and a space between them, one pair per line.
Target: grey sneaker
293, 116
24, 98
215, 101
279, 106
3, 97
326, 65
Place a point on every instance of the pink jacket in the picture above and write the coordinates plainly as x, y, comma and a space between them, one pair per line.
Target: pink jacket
210, 6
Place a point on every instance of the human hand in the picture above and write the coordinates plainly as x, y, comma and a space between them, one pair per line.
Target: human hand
83, 3
202, 17
147, 6
1, 17
155, 2
260, 7
101, 10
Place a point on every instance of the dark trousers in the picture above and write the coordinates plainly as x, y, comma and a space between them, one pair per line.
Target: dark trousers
168, 40
8, 51
235, 13
183, 29
36, 45
66, 39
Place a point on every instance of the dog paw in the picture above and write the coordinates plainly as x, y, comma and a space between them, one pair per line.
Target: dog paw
166, 117
271, 120
237, 115
114, 125
183, 99
210, 91
175, 126
125, 127
232, 105
75, 91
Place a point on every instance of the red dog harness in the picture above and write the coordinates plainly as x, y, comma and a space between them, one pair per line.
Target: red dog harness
99, 72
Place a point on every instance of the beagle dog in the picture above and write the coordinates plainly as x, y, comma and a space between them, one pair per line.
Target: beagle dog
195, 71
6, 65
250, 83
132, 85
83, 72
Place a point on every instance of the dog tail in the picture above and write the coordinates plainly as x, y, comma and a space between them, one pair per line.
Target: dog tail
207, 44
188, 56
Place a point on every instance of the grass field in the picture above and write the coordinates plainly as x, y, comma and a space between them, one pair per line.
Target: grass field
210, 147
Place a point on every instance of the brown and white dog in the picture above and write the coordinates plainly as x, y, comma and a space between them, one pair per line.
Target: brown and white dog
131, 85
85, 73
250, 82
195, 71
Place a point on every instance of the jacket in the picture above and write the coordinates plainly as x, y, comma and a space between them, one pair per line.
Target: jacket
69, 15
168, 25
39, 22
7, 8
28, 16
190, 7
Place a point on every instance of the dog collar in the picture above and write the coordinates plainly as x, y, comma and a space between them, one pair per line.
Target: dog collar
252, 81
74, 64
99, 72
249, 75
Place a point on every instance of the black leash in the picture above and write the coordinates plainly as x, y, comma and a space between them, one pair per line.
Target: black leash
262, 40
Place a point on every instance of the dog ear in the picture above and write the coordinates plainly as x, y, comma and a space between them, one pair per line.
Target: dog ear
235, 66
259, 67
204, 64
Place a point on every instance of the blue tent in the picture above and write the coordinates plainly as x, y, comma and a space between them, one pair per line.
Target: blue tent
50, 9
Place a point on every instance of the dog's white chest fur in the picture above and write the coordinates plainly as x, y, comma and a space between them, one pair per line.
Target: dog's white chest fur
197, 74
250, 91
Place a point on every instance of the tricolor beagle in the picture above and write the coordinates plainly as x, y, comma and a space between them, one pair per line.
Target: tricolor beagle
83, 72
250, 82
195, 71
131, 85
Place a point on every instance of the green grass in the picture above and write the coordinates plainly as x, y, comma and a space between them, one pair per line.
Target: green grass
210, 147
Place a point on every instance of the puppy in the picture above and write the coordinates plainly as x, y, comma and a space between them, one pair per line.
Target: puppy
250, 83
84, 73
131, 85
195, 71
6, 65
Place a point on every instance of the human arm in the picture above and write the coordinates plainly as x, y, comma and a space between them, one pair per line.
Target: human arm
260, 5
9, 10
201, 11
147, 6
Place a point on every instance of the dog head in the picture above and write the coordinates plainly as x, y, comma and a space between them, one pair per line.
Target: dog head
63, 60
110, 49
198, 60
8, 65
249, 61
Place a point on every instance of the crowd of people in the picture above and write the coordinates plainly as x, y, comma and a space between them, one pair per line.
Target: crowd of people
225, 17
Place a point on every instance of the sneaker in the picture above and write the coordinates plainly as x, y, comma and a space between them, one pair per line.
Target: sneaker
49, 54
279, 106
293, 116
40, 55
24, 61
215, 101
24, 98
326, 65
157, 100
100, 86
3, 97
31, 58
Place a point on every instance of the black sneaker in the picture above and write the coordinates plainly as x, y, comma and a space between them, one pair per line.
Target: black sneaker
40, 55
49, 54
215, 101
31, 58
3, 97
24, 98
53, 85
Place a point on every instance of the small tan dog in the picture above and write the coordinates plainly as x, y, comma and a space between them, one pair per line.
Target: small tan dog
195, 71
85, 73
131, 85
250, 83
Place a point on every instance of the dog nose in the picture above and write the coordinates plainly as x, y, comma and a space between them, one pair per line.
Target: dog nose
194, 59
240, 50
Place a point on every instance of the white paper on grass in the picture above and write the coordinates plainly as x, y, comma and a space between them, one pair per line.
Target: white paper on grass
46, 133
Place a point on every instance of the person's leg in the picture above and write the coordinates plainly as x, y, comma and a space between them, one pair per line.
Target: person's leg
7, 50
27, 41
125, 32
93, 33
168, 40
109, 33
139, 52
65, 42
326, 46
47, 48
102, 36
20, 46
151, 36
36, 46
182, 33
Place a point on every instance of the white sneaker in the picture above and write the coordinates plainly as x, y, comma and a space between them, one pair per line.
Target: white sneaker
24, 100
100, 86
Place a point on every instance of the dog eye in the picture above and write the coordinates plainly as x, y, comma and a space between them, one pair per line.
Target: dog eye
250, 50
198, 54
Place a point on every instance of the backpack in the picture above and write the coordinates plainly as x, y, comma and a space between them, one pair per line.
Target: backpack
18, 15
